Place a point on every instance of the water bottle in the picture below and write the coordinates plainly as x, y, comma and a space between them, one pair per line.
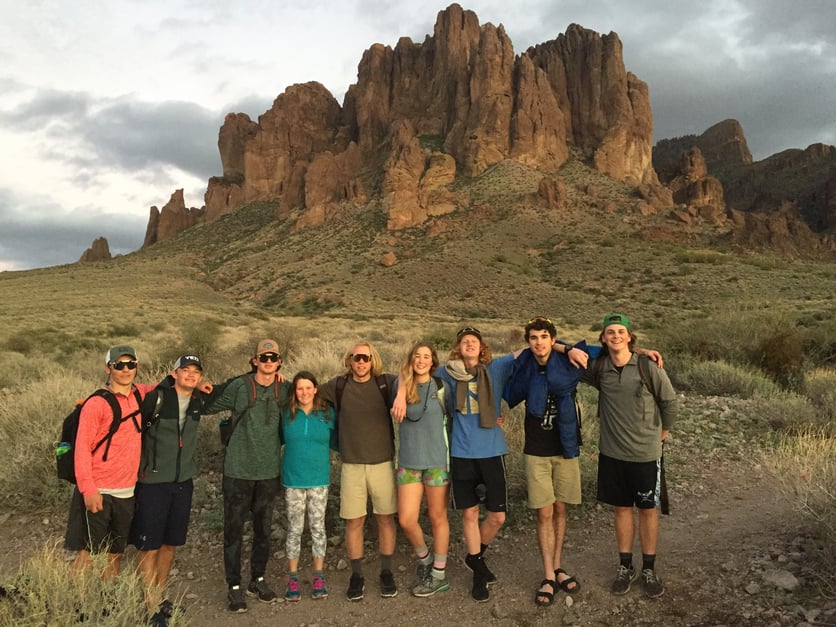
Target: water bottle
62, 448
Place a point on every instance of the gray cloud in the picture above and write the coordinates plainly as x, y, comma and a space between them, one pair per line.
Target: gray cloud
33, 237
122, 133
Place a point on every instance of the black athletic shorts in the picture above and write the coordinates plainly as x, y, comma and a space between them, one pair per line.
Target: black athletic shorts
162, 514
625, 484
104, 531
475, 480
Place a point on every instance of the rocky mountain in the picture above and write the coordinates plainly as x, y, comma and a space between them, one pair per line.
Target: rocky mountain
423, 116
99, 251
796, 184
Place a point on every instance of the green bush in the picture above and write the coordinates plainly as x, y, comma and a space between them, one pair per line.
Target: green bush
718, 378
820, 388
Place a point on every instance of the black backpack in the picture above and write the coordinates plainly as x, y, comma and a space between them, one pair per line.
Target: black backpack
65, 448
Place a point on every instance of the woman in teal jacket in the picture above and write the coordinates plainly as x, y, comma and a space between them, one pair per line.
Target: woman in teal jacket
307, 433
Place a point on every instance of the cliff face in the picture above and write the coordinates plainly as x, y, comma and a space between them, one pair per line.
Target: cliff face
422, 113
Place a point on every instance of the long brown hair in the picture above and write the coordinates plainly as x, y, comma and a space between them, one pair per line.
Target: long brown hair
318, 401
407, 378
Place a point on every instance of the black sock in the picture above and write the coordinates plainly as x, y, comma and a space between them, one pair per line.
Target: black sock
626, 559
648, 561
482, 549
385, 562
356, 567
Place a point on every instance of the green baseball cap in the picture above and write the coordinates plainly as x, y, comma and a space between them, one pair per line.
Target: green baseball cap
616, 318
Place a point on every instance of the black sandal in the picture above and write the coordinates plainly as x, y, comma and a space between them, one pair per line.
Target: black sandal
564, 585
549, 596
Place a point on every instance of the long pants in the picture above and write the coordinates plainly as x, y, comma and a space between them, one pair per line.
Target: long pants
315, 501
241, 497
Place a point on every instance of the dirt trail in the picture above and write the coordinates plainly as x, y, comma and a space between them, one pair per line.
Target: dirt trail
711, 549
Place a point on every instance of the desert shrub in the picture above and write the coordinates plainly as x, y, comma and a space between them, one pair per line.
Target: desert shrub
785, 412
718, 378
779, 354
39, 595
13, 368
820, 388
804, 468
199, 336
20, 342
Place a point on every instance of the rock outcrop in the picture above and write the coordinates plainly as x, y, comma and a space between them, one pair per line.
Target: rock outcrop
723, 147
421, 114
695, 189
98, 251
173, 218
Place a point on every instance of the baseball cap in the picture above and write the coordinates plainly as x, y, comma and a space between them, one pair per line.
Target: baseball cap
267, 346
115, 352
187, 360
615, 318
468, 331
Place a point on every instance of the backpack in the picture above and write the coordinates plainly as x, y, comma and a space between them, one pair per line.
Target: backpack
65, 448
382, 386
227, 425
643, 363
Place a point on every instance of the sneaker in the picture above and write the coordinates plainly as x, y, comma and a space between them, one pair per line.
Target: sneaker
623, 578
319, 590
653, 586
356, 587
388, 587
476, 563
158, 620
259, 588
237, 602
430, 586
480, 590
293, 592
423, 571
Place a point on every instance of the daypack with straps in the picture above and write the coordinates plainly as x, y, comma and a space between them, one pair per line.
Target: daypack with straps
65, 448
227, 425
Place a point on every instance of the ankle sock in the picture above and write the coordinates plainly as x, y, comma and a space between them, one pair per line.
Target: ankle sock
626, 559
439, 562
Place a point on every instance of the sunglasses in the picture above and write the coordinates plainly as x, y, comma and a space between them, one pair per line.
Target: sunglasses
468, 331
265, 357
540, 319
121, 365
358, 357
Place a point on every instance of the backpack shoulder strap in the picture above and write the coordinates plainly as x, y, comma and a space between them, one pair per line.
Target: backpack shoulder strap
338, 393
598, 369
644, 372
383, 386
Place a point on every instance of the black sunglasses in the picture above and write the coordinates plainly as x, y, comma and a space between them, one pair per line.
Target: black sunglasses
357, 357
468, 331
265, 357
121, 365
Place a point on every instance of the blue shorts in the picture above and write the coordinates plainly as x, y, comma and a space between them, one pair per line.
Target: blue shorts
162, 514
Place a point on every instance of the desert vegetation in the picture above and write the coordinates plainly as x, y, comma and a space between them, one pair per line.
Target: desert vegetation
784, 416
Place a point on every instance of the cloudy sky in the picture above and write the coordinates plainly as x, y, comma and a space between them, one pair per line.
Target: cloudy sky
107, 107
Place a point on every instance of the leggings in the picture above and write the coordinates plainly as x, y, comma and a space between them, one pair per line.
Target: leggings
316, 500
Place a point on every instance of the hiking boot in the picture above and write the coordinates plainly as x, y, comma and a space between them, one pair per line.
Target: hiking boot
476, 563
480, 591
259, 588
356, 587
388, 587
623, 578
319, 590
430, 586
236, 600
653, 586
293, 592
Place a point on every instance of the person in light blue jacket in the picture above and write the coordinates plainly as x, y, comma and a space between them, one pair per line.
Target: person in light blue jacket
307, 431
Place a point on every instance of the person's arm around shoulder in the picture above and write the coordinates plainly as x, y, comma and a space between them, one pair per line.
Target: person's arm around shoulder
227, 398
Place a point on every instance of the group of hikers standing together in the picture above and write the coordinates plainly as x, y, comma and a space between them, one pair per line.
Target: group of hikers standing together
451, 449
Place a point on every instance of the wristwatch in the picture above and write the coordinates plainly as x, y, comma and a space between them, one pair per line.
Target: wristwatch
569, 347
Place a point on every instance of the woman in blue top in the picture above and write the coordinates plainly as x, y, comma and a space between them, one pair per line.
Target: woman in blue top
423, 467
307, 428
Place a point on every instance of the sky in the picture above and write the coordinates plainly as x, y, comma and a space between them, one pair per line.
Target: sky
106, 108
